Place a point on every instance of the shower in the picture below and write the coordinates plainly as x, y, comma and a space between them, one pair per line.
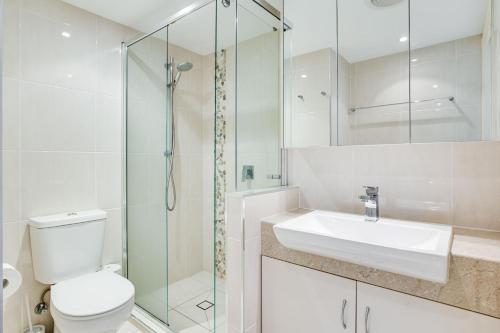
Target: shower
173, 81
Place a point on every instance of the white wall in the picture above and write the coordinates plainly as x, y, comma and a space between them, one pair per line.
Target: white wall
61, 128
309, 120
244, 213
450, 183
447, 69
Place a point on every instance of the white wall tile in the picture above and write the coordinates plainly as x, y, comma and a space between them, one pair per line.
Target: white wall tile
108, 124
57, 182
63, 61
450, 183
254, 207
11, 243
10, 114
112, 252
11, 186
61, 105
109, 57
11, 39
56, 119
476, 174
108, 180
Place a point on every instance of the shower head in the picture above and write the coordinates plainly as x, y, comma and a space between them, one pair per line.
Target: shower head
384, 3
182, 67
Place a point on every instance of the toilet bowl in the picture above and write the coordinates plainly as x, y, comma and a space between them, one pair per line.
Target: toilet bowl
66, 251
93, 303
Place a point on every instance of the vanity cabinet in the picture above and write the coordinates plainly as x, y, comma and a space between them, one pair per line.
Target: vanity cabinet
296, 299
386, 311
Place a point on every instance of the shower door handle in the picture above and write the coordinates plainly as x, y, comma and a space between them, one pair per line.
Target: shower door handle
273, 176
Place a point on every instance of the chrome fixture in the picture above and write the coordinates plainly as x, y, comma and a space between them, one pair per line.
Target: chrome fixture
226, 3
384, 3
301, 97
247, 173
170, 153
371, 203
342, 316
367, 317
42, 307
449, 98
182, 67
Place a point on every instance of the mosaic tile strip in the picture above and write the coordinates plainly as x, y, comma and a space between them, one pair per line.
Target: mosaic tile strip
220, 164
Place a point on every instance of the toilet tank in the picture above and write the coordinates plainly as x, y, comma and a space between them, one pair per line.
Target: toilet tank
68, 245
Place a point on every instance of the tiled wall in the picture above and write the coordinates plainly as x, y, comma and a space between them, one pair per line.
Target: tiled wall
307, 110
257, 117
447, 69
451, 183
244, 213
61, 128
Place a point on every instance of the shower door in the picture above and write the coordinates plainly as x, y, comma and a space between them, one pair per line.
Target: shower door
169, 171
146, 145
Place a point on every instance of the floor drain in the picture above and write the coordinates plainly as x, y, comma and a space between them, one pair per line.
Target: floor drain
205, 305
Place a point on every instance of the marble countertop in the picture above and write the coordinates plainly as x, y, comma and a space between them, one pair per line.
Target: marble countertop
474, 282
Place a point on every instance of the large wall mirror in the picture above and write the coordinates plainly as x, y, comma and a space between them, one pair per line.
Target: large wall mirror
363, 72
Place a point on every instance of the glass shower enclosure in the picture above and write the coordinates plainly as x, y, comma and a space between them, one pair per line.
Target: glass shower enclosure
202, 118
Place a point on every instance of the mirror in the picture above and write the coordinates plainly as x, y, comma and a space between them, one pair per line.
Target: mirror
389, 71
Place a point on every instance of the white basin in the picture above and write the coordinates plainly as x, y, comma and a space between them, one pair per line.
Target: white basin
415, 249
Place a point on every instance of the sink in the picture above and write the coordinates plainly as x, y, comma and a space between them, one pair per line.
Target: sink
415, 249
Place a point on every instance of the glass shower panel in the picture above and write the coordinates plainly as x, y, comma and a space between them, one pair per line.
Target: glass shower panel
373, 80
258, 120
191, 56
170, 172
146, 165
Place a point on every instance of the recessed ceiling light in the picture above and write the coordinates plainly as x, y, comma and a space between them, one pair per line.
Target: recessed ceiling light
438, 104
65, 34
414, 60
70, 76
435, 86
303, 76
403, 39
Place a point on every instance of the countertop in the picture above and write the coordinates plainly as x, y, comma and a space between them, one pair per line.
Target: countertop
474, 282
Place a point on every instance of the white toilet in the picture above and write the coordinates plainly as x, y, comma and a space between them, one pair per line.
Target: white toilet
66, 250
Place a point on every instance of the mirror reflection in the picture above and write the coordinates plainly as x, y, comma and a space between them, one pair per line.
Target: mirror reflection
388, 71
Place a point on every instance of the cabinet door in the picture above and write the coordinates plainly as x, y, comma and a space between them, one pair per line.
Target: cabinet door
393, 312
301, 300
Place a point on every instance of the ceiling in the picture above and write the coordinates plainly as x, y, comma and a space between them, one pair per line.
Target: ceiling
196, 31
365, 31
143, 15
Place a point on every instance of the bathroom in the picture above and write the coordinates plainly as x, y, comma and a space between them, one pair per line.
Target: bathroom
250, 166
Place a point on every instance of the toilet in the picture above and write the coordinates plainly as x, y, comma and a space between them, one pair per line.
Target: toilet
66, 251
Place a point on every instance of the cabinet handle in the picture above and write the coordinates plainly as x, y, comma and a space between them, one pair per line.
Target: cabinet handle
367, 315
342, 316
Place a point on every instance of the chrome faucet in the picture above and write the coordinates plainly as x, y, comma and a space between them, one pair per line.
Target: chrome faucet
371, 203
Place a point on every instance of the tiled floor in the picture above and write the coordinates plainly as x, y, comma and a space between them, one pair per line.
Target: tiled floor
185, 308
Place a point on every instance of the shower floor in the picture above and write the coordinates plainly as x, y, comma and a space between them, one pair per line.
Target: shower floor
188, 308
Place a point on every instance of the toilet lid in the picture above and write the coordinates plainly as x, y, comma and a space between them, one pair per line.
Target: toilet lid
91, 294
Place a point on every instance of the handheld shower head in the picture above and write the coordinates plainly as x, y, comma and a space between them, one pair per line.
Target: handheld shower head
182, 67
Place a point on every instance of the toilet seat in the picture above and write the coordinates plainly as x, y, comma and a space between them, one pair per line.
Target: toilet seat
92, 295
